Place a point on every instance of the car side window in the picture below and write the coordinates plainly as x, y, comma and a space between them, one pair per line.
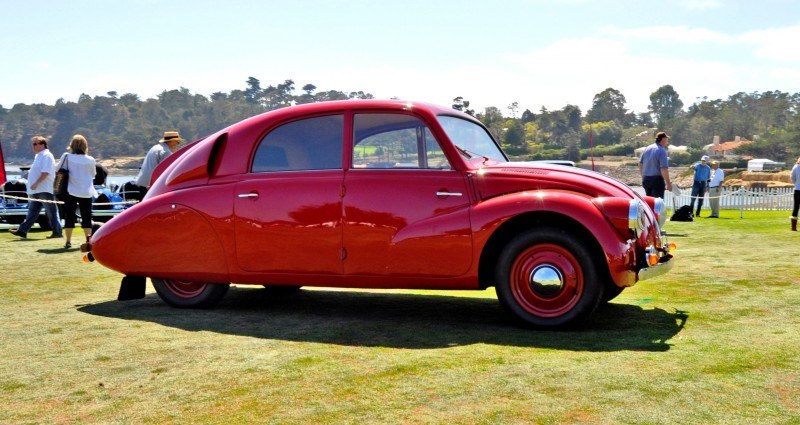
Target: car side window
395, 141
308, 144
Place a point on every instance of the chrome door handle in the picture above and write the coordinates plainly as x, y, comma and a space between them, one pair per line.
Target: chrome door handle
448, 194
248, 195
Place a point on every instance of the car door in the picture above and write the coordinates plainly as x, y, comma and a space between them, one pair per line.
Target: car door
406, 210
287, 209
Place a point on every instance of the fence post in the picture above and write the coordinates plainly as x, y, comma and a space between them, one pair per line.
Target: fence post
741, 202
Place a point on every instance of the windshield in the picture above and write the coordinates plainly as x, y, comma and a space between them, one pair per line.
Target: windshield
471, 139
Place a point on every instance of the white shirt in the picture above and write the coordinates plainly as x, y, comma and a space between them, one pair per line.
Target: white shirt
81, 174
796, 176
717, 177
155, 155
43, 162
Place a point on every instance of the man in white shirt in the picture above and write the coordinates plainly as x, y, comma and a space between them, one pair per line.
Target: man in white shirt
164, 148
40, 187
715, 188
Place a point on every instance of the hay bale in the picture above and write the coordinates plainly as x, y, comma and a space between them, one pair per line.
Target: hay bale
757, 176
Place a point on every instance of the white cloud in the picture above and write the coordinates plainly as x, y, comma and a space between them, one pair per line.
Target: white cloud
670, 34
701, 4
779, 44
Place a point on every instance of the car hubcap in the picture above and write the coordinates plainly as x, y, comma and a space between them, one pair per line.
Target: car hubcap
185, 289
546, 280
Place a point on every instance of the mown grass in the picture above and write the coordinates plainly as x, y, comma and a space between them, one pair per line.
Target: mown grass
715, 341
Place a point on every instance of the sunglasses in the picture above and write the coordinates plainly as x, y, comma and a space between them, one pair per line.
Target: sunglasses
39, 143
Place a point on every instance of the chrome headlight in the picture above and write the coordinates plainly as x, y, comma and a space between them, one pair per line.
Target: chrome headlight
660, 209
636, 221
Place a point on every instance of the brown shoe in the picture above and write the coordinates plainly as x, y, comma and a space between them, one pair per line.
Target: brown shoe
23, 235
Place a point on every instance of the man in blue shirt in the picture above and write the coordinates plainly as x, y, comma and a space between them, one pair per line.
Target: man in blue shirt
654, 167
702, 173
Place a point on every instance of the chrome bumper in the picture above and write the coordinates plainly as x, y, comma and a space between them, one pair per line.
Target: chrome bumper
662, 267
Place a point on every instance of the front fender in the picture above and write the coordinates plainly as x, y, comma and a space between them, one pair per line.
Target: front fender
569, 209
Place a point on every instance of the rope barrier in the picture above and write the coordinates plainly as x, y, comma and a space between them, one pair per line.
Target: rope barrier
47, 201
740, 191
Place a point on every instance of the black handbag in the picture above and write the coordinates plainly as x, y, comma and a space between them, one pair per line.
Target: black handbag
61, 179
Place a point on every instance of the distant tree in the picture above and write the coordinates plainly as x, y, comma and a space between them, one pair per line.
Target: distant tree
528, 116
515, 136
571, 141
645, 119
253, 90
309, 89
604, 133
129, 99
608, 105
360, 95
513, 108
574, 117
665, 104
459, 104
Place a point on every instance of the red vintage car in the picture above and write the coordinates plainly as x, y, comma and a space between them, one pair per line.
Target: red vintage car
382, 194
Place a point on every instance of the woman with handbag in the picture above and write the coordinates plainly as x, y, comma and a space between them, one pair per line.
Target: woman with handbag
80, 189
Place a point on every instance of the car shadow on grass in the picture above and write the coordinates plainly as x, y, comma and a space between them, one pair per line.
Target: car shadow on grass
397, 320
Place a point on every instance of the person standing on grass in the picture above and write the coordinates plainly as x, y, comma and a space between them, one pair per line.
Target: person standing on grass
796, 181
159, 152
654, 167
715, 188
702, 173
40, 188
80, 188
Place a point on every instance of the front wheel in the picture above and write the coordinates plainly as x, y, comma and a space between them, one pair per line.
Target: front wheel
547, 278
187, 294
611, 291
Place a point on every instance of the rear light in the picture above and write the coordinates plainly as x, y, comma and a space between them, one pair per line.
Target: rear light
652, 256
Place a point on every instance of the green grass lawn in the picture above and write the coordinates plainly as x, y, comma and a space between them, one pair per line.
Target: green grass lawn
715, 341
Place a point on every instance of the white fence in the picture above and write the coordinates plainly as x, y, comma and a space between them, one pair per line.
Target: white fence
737, 199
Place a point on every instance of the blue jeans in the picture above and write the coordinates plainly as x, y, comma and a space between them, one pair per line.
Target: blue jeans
34, 207
698, 192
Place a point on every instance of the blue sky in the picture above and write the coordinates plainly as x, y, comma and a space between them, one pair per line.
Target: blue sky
536, 52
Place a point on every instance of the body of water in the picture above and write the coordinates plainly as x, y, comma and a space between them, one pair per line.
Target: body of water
13, 172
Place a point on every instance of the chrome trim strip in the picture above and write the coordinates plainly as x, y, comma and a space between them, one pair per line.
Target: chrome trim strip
448, 194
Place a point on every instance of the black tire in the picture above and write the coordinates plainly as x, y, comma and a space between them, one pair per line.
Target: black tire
183, 294
611, 291
567, 290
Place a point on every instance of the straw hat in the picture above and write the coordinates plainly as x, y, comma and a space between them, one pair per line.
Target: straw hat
170, 136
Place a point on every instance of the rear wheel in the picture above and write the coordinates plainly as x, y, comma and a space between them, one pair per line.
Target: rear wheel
188, 294
547, 278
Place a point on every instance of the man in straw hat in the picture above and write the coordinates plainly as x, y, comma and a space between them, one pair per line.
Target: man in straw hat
715, 188
164, 148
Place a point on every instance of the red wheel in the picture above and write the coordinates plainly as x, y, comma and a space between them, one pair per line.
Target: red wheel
547, 278
188, 294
